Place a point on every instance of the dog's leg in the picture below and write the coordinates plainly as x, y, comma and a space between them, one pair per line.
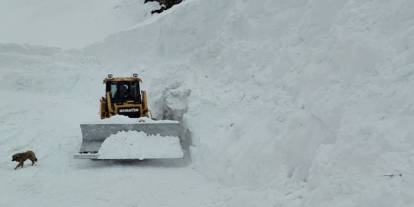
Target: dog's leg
157, 11
19, 165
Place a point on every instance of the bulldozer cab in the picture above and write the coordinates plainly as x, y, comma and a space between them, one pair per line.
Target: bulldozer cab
123, 96
124, 91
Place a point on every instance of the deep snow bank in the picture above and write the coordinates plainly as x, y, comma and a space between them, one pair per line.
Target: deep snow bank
318, 91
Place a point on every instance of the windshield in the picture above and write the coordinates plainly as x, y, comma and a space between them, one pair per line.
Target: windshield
125, 91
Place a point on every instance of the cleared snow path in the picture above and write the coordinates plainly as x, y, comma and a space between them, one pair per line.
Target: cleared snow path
44, 98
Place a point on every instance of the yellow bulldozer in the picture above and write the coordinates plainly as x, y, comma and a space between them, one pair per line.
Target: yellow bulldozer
124, 97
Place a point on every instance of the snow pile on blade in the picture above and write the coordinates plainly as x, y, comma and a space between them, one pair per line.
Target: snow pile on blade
139, 145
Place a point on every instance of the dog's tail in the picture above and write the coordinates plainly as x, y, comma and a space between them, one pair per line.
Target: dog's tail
33, 155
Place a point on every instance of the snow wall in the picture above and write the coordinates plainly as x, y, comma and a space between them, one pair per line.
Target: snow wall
315, 91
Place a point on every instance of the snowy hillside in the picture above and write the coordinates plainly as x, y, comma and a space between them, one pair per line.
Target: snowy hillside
289, 103
68, 24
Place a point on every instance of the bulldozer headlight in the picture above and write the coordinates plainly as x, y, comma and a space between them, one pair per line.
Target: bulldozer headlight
110, 76
135, 75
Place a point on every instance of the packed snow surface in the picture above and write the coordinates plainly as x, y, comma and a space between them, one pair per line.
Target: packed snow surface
139, 145
293, 103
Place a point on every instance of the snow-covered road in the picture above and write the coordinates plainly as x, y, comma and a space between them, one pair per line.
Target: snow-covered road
41, 110
104, 184
45, 94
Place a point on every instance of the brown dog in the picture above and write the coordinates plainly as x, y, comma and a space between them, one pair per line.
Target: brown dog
21, 157
164, 4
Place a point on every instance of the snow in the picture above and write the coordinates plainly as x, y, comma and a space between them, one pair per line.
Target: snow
139, 145
288, 103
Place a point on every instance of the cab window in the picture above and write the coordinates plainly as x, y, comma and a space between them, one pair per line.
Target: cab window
113, 90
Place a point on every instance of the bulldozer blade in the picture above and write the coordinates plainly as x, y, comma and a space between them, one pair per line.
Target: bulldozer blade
93, 135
